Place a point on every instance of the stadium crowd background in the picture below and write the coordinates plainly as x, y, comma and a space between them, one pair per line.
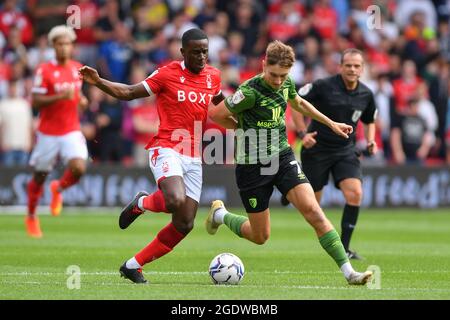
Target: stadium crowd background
407, 68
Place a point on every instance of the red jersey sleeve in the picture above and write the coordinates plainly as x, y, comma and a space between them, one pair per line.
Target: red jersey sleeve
40, 82
156, 81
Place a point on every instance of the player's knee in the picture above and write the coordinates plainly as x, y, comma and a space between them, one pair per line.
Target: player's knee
78, 170
353, 196
174, 201
261, 238
184, 226
314, 215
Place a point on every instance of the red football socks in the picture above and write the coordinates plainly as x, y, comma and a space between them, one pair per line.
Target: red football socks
155, 202
34, 194
164, 242
68, 179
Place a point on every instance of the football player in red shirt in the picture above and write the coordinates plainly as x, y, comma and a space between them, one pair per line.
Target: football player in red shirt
184, 90
57, 95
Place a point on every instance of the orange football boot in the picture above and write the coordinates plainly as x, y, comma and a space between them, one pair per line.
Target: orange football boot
56, 202
33, 227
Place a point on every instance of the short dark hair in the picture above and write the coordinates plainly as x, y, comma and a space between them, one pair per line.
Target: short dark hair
351, 51
192, 34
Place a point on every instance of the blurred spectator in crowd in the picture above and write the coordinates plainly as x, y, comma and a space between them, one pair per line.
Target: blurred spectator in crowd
207, 13
88, 121
421, 44
235, 44
406, 8
12, 17
144, 119
86, 51
15, 127
410, 49
47, 13
447, 135
145, 124
216, 41
406, 86
410, 139
18, 73
251, 68
229, 71
222, 23
116, 54
40, 53
109, 124
178, 25
325, 19
383, 95
109, 15
427, 111
14, 49
157, 13
284, 17
144, 39
245, 20
172, 53
444, 39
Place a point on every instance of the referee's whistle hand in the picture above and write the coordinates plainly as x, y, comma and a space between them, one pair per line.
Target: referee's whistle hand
342, 129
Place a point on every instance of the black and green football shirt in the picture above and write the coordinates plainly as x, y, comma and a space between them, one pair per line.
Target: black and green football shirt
260, 111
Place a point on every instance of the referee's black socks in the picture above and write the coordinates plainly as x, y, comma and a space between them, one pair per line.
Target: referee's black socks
348, 223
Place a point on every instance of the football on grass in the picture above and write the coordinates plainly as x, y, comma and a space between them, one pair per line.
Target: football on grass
226, 268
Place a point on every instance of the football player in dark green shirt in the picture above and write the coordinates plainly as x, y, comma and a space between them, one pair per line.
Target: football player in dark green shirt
264, 159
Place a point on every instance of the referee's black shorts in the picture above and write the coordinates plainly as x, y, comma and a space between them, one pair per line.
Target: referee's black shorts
255, 187
317, 164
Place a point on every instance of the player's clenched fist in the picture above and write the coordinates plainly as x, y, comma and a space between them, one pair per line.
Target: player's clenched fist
88, 74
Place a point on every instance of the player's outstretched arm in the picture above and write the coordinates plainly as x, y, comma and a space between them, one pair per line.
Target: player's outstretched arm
303, 106
120, 91
222, 116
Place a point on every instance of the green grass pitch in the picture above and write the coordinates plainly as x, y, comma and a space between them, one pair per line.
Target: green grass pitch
411, 248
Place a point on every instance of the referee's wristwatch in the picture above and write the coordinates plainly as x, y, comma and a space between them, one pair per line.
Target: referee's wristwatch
301, 134
371, 144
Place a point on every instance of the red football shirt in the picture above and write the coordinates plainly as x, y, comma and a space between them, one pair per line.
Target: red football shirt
182, 100
403, 91
51, 78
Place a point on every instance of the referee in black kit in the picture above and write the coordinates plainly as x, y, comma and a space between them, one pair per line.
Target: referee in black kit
343, 98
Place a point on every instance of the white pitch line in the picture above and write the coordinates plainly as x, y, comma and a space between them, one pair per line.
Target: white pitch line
108, 273
265, 286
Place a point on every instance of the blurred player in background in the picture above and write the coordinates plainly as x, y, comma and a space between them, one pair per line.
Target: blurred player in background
260, 105
57, 95
184, 90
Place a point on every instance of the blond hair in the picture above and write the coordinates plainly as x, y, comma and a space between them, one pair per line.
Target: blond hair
59, 31
279, 53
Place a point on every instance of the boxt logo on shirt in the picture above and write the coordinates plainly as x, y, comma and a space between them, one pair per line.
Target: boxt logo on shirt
194, 97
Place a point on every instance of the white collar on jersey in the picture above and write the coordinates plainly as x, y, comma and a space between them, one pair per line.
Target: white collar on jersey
183, 66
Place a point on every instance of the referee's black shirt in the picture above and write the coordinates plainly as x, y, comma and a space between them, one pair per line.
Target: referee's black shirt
330, 97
